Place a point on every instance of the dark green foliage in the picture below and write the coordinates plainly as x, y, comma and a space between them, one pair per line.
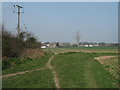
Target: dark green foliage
5, 64
13, 47
32, 43
10, 45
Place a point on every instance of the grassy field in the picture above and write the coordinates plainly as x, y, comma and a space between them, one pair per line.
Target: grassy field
77, 68
35, 79
80, 70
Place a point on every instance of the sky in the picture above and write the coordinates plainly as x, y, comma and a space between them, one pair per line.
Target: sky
58, 21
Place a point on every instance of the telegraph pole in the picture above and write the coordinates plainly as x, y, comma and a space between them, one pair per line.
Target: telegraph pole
19, 7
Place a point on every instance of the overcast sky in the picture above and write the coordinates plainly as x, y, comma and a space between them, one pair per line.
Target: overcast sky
96, 22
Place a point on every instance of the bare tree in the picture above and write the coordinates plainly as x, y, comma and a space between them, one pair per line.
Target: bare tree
77, 36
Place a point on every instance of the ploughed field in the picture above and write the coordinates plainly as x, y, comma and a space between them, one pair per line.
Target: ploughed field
95, 67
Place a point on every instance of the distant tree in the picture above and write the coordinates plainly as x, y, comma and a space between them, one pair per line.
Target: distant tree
31, 40
77, 36
22, 36
57, 44
28, 35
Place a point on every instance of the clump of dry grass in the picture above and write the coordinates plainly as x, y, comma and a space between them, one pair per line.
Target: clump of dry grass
33, 53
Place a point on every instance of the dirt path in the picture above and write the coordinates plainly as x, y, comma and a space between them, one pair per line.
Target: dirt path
48, 65
56, 79
18, 73
23, 72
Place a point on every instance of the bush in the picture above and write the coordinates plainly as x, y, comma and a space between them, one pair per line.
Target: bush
14, 47
10, 45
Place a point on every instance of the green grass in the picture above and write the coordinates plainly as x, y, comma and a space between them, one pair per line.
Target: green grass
74, 69
80, 70
29, 64
36, 79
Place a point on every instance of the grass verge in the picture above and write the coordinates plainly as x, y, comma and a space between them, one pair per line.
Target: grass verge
28, 64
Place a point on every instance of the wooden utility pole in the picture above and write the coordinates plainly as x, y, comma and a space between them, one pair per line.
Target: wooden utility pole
19, 7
